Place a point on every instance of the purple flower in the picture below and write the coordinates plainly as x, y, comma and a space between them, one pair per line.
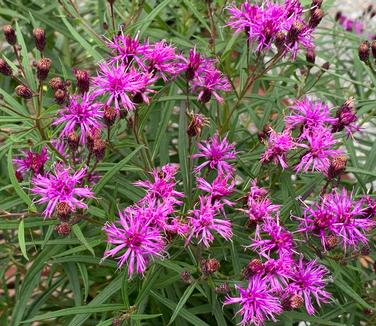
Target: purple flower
223, 185
278, 239
278, 271
136, 242
195, 65
279, 144
216, 152
257, 302
161, 188
161, 58
309, 114
81, 113
61, 186
350, 224
209, 84
241, 19
299, 35
203, 222
260, 209
32, 161
125, 49
119, 83
346, 118
319, 150
308, 280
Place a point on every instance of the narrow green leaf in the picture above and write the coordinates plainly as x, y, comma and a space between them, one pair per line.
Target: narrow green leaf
21, 238
182, 301
77, 231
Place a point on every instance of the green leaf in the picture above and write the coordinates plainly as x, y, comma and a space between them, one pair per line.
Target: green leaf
77, 311
21, 238
115, 169
182, 301
77, 231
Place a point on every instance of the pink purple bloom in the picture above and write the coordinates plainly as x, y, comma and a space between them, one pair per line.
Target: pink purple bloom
125, 49
32, 161
308, 280
203, 222
195, 65
61, 186
309, 114
257, 302
270, 237
279, 144
79, 114
120, 83
319, 150
217, 154
135, 241
209, 84
346, 118
278, 271
223, 185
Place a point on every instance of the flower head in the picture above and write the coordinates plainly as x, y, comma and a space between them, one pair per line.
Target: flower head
216, 152
279, 144
309, 114
308, 280
209, 84
61, 186
80, 113
32, 161
319, 150
257, 302
203, 222
223, 185
136, 242
119, 83
195, 65
346, 118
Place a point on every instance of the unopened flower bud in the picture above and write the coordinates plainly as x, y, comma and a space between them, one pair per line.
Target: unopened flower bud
99, 148
109, 115
19, 176
111, 2
39, 38
43, 68
363, 51
186, 277
331, 242
338, 16
198, 121
316, 17
92, 135
325, 66
295, 29
311, 55
10, 34
373, 48
56, 83
280, 39
73, 141
63, 229
264, 134
316, 4
255, 266
337, 166
60, 96
5, 69
296, 301
24, 92
83, 80
345, 115
63, 211
209, 266
222, 289
137, 98
206, 95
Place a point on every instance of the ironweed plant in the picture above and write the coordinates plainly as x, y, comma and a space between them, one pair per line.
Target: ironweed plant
186, 163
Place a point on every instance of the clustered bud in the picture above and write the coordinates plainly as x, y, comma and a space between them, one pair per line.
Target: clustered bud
56, 83
345, 115
255, 266
99, 149
83, 80
5, 69
311, 55
10, 34
73, 141
39, 38
63, 229
198, 121
209, 266
363, 51
63, 211
337, 166
24, 92
109, 115
43, 68
316, 17
186, 277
